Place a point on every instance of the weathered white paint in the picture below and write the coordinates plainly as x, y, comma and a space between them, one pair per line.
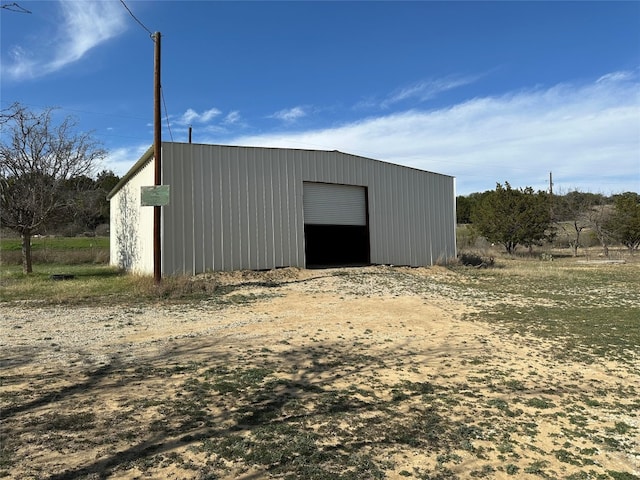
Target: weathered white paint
131, 224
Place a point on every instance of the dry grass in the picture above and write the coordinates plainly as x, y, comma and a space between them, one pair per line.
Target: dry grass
348, 374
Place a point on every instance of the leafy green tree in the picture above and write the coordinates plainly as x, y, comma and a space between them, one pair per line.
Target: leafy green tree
513, 217
624, 223
91, 207
106, 180
463, 210
80, 212
464, 207
45, 169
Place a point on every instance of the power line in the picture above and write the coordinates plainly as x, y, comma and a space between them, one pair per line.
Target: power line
136, 19
166, 112
14, 7
75, 110
151, 34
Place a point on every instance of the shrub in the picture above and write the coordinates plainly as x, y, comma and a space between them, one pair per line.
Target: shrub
470, 259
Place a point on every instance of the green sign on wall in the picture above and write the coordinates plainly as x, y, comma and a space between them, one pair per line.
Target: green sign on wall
154, 196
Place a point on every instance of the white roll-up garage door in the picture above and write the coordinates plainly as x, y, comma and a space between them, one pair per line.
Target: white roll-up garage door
333, 204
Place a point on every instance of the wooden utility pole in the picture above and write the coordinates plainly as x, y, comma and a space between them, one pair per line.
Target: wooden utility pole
157, 155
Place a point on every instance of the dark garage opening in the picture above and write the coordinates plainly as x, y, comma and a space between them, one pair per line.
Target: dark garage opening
336, 245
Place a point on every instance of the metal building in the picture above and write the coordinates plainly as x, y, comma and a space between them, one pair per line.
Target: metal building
257, 208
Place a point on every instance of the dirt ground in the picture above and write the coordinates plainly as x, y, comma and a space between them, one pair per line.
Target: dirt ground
517, 411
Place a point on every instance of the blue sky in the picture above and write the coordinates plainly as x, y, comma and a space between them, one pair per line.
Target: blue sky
484, 91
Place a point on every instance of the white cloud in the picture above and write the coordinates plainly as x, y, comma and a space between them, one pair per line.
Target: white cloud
122, 159
232, 118
203, 126
191, 116
616, 77
84, 26
587, 135
427, 89
290, 115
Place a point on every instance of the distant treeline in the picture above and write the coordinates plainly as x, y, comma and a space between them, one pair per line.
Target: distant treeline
506, 216
513, 217
89, 215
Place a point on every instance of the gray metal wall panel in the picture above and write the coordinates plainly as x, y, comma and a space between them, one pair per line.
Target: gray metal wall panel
296, 210
190, 219
217, 216
167, 233
289, 232
439, 217
246, 224
199, 214
417, 210
440, 214
378, 235
424, 220
379, 197
399, 250
242, 207
276, 193
235, 240
432, 219
209, 232
225, 213
173, 229
264, 225
407, 209
253, 210
267, 259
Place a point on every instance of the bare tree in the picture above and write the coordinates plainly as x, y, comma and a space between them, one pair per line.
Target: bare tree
599, 218
574, 213
38, 161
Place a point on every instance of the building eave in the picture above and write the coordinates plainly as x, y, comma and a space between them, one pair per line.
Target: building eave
132, 171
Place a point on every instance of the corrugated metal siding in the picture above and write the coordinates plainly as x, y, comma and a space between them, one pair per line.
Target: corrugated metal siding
242, 207
230, 210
